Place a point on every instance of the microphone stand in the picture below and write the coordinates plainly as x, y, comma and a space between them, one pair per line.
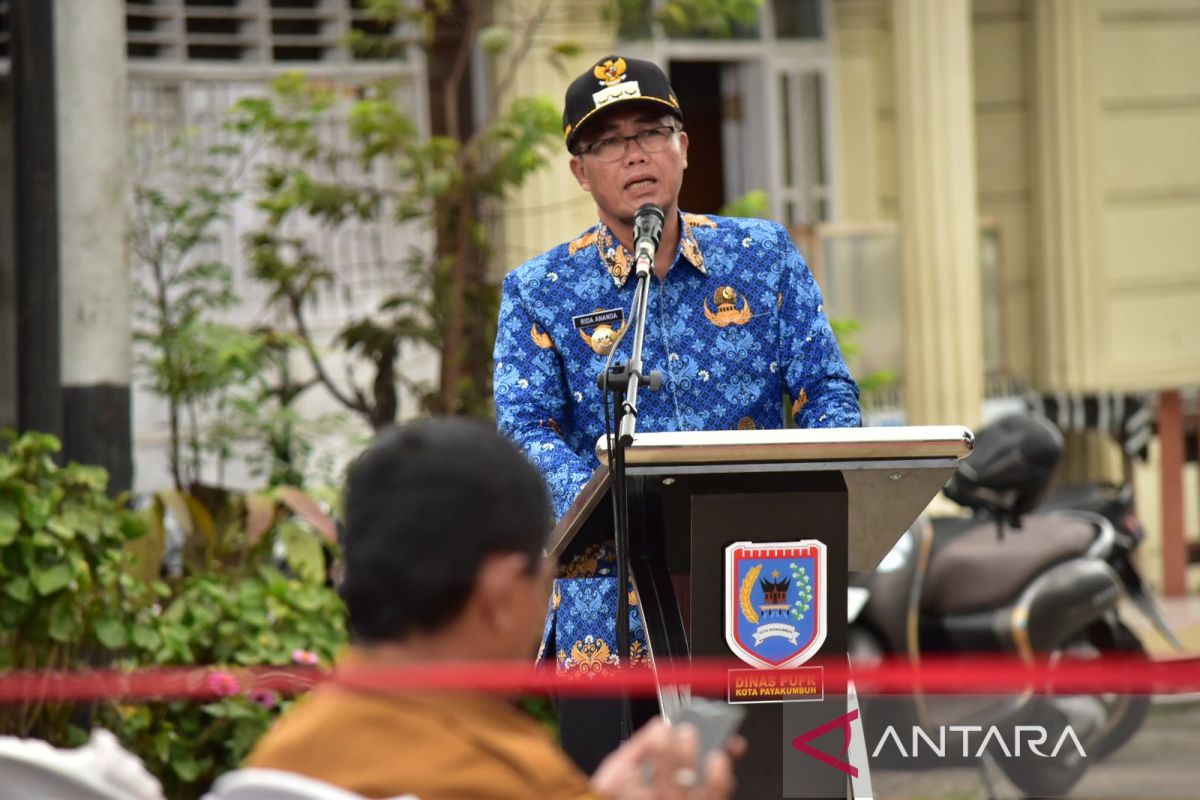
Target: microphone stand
627, 378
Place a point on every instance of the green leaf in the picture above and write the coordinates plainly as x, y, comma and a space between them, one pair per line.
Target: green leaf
64, 620
185, 766
19, 588
495, 39
145, 637
753, 203
91, 477
59, 528
49, 580
110, 632
567, 49
37, 507
10, 523
133, 525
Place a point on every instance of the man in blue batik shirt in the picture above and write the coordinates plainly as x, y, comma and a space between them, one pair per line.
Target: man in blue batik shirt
734, 323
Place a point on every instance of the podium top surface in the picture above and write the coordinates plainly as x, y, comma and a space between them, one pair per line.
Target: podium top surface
890, 473
797, 444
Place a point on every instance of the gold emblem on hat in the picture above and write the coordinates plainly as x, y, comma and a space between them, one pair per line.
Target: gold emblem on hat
726, 300
610, 72
540, 338
602, 339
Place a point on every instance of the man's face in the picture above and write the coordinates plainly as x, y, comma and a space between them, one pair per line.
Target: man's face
621, 187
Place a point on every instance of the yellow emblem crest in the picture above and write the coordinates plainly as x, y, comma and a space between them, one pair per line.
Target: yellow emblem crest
744, 594
540, 338
610, 72
590, 655
727, 313
587, 240
800, 402
602, 339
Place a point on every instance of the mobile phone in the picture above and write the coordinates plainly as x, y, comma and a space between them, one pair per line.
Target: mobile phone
714, 720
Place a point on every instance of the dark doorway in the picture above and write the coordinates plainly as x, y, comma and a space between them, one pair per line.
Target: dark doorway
697, 84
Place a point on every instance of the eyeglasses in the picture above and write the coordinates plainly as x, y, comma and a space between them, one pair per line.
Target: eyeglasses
612, 148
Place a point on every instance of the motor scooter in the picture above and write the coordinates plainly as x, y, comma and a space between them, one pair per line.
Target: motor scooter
1009, 580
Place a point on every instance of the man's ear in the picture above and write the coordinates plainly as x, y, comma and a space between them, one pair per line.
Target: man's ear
683, 143
497, 586
580, 173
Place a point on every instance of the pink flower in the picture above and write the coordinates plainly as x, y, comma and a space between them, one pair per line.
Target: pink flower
266, 698
222, 684
305, 657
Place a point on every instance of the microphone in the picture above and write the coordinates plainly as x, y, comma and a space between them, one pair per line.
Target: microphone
647, 232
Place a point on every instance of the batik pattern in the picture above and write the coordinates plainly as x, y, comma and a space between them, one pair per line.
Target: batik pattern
581, 628
737, 324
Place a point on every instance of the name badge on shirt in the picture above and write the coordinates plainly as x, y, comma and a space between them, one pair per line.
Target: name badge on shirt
606, 317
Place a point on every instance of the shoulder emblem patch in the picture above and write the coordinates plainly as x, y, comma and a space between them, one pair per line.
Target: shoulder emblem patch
540, 338
587, 240
800, 402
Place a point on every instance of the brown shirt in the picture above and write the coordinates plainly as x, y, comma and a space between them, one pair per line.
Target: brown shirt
438, 746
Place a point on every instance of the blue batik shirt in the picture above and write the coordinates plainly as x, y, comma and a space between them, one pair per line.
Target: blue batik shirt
736, 324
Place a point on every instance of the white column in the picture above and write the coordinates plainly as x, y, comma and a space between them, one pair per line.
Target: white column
858, 29
935, 150
92, 151
1069, 301
93, 145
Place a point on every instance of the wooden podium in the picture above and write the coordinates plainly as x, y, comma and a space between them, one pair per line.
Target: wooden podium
693, 495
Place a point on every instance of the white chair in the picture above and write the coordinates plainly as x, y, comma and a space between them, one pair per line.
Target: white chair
100, 770
273, 784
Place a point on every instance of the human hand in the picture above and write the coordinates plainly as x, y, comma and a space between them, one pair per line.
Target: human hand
659, 763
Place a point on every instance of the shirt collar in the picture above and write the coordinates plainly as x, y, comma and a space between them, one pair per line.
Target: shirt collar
619, 263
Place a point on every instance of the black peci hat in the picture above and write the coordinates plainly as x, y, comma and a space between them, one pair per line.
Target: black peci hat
610, 81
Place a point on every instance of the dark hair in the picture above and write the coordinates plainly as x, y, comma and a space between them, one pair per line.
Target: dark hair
425, 505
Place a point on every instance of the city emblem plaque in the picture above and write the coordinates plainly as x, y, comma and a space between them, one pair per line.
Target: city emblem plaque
775, 605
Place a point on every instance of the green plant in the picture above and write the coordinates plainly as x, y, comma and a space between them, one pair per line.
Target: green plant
264, 618
845, 331
252, 589
715, 19
449, 303
62, 568
80, 588
189, 358
753, 203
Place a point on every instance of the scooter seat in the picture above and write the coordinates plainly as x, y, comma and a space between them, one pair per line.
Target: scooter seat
976, 570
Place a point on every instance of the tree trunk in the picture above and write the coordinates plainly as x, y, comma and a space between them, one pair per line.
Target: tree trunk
451, 105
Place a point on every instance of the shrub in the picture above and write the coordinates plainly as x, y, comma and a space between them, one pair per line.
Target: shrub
75, 596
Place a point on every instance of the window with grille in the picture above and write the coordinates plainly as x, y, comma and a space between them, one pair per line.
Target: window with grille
262, 31
250, 31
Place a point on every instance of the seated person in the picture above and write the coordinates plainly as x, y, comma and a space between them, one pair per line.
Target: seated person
446, 522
